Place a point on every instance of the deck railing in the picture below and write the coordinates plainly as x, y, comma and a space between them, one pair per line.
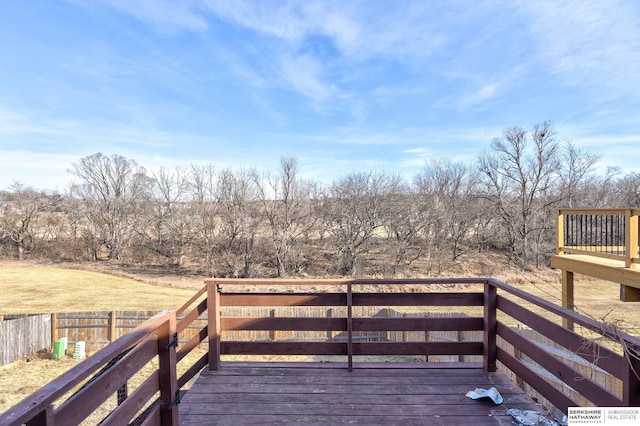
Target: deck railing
493, 308
105, 374
150, 351
607, 233
501, 308
352, 323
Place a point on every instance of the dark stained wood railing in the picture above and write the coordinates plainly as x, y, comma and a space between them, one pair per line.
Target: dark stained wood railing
502, 309
606, 348
495, 308
103, 374
106, 374
350, 299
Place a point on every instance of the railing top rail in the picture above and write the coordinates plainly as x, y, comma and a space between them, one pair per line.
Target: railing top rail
334, 282
49, 393
195, 297
569, 314
619, 211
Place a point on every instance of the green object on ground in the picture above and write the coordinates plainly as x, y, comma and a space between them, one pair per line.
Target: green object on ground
59, 348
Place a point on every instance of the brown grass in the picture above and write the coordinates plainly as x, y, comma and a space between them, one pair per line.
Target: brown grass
29, 288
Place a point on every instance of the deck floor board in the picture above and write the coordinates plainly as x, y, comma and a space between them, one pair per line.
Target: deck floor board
377, 395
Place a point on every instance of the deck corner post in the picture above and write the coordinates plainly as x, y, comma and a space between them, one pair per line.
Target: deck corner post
167, 367
632, 238
213, 326
490, 351
560, 233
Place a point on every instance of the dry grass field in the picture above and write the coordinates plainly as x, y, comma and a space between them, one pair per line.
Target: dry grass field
34, 288
31, 288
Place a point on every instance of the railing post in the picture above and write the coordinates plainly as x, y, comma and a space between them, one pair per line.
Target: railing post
272, 333
213, 327
167, 360
560, 232
631, 238
349, 327
628, 293
490, 327
426, 337
43, 418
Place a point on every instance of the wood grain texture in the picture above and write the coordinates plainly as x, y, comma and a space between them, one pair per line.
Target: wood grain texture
377, 395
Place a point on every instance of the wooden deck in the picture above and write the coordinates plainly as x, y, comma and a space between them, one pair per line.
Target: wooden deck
326, 393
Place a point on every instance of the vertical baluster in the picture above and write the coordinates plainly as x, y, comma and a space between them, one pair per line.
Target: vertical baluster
602, 239
592, 230
611, 234
580, 238
620, 244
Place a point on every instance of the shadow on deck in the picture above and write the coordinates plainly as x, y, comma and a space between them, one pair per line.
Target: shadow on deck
372, 394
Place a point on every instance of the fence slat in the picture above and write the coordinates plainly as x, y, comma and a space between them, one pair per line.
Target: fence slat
24, 336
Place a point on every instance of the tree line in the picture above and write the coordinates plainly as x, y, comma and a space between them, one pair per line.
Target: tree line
240, 223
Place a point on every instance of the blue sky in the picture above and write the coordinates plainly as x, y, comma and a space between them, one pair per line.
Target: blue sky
343, 86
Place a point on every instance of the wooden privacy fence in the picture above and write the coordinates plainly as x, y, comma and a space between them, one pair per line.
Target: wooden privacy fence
23, 336
102, 327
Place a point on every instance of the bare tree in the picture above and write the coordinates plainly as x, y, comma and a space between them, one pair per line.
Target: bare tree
205, 209
446, 190
19, 214
406, 230
167, 228
112, 190
360, 204
577, 171
520, 172
286, 205
238, 198
629, 190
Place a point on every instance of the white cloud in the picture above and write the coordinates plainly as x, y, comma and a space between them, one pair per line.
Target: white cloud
304, 74
588, 42
477, 97
165, 16
291, 22
357, 29
318, 41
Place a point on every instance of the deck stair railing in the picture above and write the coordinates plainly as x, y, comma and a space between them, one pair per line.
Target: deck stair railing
607, 233
495, 307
